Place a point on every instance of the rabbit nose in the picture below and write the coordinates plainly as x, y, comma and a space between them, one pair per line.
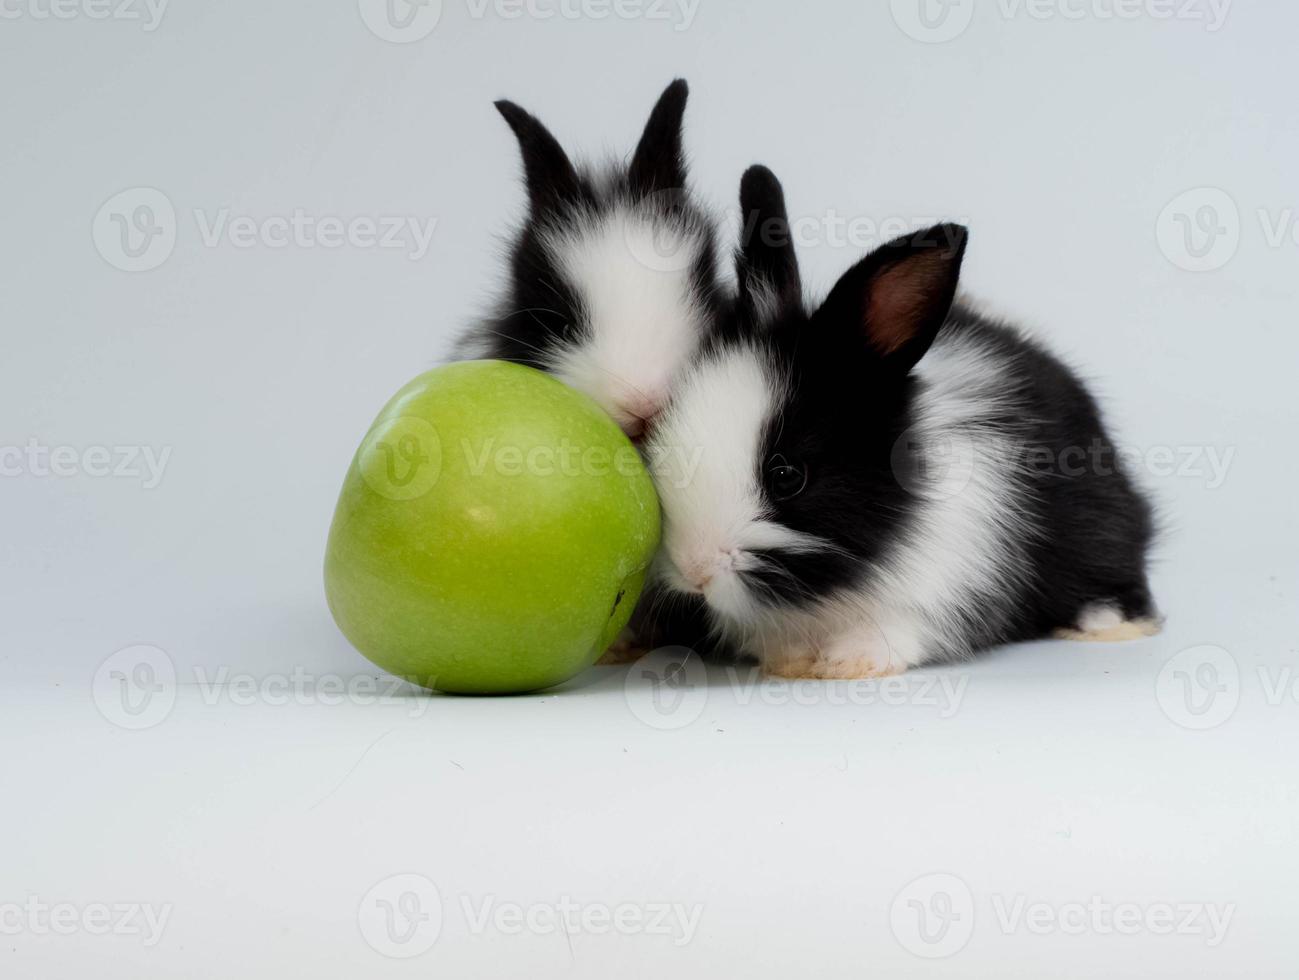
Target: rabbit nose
636, 413
637, 426
697, 574
701, 572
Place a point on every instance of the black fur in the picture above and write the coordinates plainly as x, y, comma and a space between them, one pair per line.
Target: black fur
1100, 527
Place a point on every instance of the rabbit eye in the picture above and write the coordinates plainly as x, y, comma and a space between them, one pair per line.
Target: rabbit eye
785, 478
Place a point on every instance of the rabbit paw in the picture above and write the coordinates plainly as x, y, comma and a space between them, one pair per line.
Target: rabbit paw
844, 660
1102, 622
625, 649
792, 664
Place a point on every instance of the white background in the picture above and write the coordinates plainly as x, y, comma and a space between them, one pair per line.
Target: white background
1150, 774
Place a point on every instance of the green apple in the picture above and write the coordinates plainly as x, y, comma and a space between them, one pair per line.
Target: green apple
493, 532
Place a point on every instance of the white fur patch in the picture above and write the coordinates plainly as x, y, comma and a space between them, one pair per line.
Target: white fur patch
632, 269
1098, 617
954, 564
1102, 622
715, 513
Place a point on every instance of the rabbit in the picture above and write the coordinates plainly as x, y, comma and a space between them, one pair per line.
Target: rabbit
613, 276
891, 479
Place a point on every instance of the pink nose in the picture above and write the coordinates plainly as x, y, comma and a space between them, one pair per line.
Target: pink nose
636, 412
701, 572
636, 422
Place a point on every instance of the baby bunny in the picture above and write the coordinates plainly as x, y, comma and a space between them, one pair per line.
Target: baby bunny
612, 278
891, 479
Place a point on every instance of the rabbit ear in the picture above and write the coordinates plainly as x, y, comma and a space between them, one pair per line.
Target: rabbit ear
898, 297
766, 265
659, 162
550, 175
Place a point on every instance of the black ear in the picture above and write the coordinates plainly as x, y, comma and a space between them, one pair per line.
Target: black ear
659, 162
766, 267
550, 175
898, 297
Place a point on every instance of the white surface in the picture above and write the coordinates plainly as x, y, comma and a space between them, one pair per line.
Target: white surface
1064, 772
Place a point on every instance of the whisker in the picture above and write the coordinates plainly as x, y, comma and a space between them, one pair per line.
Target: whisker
539, 351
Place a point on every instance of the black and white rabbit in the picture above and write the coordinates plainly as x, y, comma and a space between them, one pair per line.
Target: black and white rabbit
891, 479
613, 276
